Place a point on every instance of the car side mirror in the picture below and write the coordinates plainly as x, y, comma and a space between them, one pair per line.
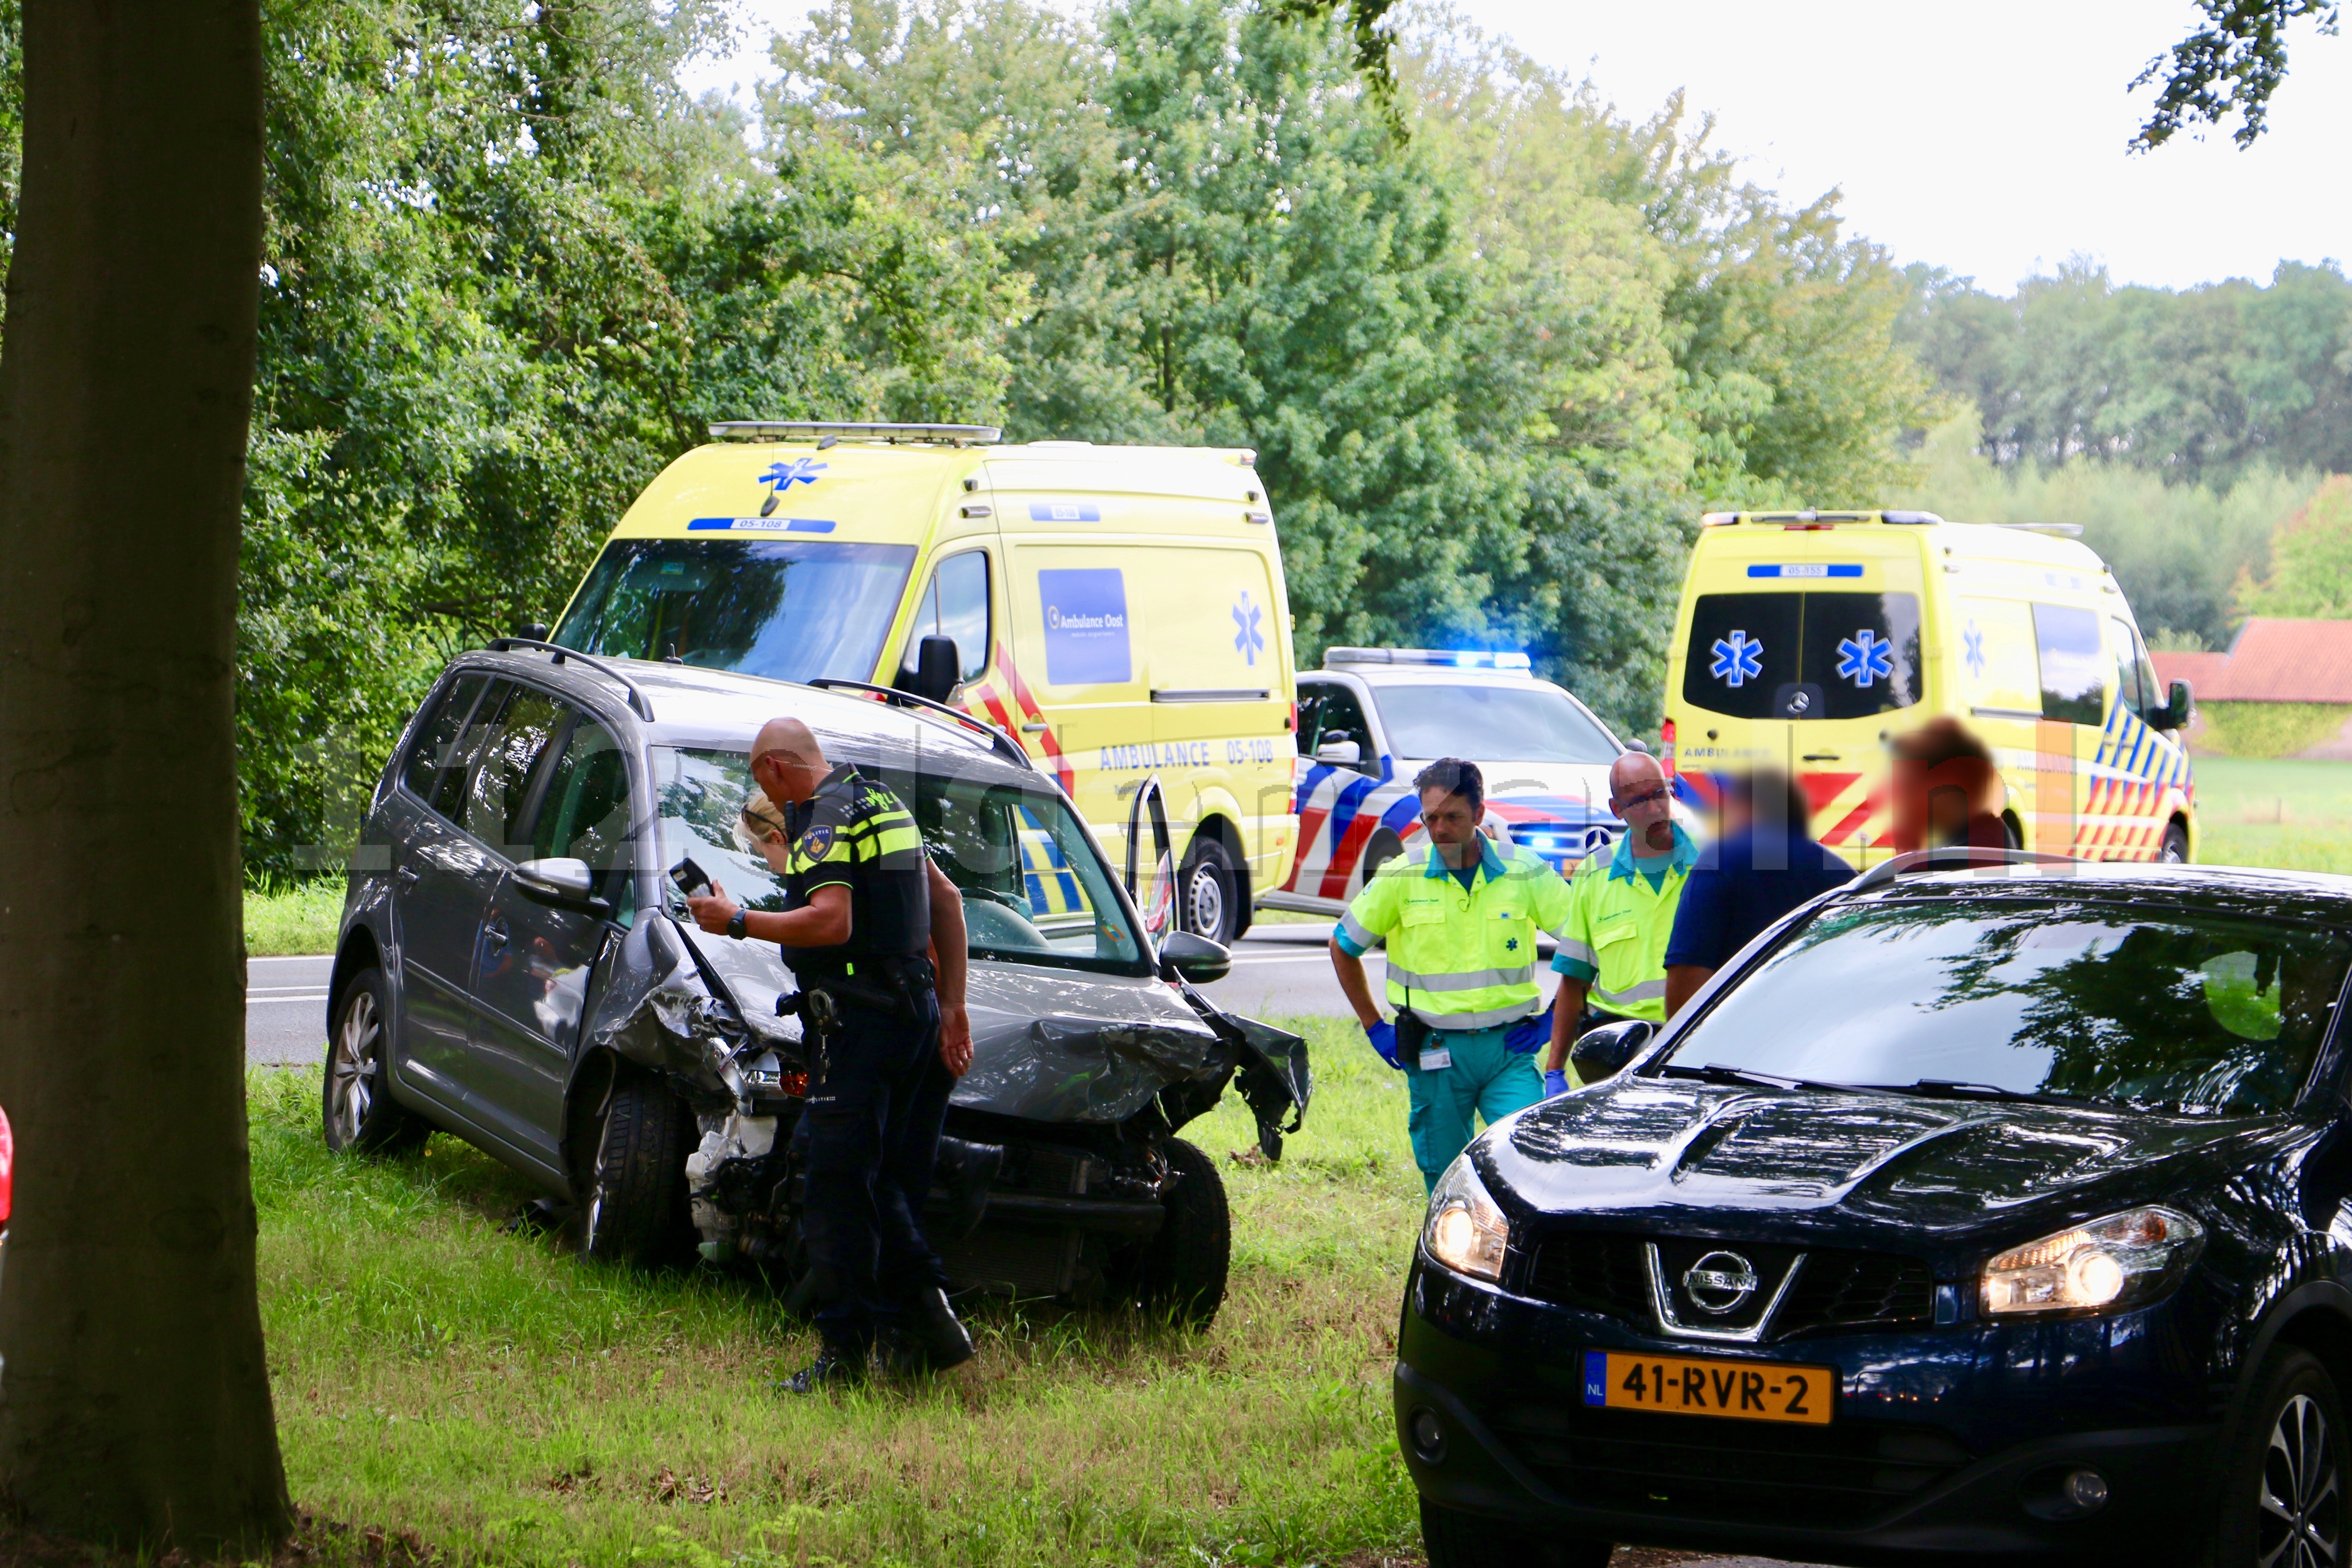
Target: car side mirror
563, 882
2179, 710
1603, 1053
1341, 751
939, 664
1183, 955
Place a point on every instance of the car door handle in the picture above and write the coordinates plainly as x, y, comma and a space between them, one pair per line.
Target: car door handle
1820, 757
407, 875
495, 934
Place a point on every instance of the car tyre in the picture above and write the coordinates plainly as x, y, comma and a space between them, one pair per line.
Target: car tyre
1209, 891
2174, 850
1453, 1539
635, 1212
2282, 1500
356, 1109
1186, 1260
1385, 847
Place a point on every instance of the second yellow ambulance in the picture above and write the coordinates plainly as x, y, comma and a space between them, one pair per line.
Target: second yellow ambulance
1808, 640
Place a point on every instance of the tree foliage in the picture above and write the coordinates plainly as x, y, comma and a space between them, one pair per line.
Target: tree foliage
2310, 571
2230, 66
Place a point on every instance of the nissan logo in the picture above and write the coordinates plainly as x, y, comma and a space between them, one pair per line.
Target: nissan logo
1720, 1281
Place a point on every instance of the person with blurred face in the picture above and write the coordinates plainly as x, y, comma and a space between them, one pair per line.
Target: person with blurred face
1764, 863
1611, 958
1459, 914
1947, 792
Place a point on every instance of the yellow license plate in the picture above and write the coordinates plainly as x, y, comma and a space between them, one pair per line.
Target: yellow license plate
1703, 1385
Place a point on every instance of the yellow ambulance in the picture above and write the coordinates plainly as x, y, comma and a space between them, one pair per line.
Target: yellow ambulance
1808, 640
1120, 611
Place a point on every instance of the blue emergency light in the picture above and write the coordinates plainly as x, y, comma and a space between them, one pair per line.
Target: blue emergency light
1444, 658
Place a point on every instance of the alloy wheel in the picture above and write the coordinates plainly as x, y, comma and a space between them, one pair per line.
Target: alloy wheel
358, 1050
2302, 1523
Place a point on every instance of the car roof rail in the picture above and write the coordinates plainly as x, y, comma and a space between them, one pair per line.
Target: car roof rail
645, 709
1951, 857
836, 430
999, 742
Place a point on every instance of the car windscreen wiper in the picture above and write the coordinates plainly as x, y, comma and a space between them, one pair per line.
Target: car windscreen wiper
1953, 1089
1711, 1073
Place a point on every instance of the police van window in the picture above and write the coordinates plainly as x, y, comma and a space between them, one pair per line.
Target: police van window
583, 814
1310, 715
954, 604
1340, 716
2075, 667
437, 745
516, 741
1522, 724
1803, 654
790, 610
2128, 690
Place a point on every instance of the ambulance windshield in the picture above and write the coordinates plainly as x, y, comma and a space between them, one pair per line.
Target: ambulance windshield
790, 609
1508, 723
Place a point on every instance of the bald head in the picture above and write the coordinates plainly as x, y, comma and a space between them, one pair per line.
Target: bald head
1638, 794
786, 761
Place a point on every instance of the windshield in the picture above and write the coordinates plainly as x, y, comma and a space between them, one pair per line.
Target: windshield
1035, 891
1516, 723
2171, 1009
788, 610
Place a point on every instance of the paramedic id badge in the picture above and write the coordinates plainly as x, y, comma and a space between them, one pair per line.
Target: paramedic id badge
1436, 1057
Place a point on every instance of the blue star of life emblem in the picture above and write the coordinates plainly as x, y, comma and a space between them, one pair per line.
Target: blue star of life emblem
1973, 650
781, 477
1247, 638
1738, 660
1863, 658
1510, 945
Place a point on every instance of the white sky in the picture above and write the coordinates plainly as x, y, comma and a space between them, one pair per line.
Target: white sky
1986, 139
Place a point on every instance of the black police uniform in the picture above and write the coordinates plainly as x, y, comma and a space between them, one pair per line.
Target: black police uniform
877, 1090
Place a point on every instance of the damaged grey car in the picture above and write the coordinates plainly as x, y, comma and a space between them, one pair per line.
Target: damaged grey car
516, 967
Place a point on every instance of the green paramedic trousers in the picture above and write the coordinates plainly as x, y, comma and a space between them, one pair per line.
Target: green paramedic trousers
1485, 1078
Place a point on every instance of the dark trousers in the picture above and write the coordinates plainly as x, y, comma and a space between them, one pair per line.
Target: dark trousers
875, 1110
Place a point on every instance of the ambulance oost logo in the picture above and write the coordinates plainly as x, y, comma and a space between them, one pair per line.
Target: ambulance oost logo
1972, 643
781, 477
1863, 659
1739, 659
1247, 639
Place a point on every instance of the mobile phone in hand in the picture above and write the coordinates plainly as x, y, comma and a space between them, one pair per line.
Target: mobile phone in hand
690, 879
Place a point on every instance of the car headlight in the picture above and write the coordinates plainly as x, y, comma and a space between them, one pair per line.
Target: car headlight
2123, 1261
1464, 1230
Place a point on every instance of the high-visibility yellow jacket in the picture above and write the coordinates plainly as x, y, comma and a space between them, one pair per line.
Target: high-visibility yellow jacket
1460, 959
1614, 939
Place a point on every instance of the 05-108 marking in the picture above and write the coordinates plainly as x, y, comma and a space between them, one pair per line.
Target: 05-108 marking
1688, 1385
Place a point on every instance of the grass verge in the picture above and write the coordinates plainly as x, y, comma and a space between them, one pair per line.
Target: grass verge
293, 917
438, 1375
2289, 813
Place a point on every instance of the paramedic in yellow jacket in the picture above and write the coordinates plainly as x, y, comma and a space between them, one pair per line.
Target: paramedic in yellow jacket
1459, 916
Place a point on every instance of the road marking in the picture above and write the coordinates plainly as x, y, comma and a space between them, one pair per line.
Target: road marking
253, 1000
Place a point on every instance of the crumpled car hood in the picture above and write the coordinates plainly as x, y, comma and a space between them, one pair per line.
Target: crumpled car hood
1647, 1146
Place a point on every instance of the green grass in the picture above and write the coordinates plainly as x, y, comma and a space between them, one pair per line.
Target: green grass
499, 1399
2287, 813
293, 917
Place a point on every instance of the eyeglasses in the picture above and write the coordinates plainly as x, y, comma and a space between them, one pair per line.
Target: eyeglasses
1646, 798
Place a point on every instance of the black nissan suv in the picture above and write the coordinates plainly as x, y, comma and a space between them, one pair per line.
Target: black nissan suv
1968, 1214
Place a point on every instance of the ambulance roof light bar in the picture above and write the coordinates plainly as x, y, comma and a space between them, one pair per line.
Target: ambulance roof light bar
1441, 658
817, 429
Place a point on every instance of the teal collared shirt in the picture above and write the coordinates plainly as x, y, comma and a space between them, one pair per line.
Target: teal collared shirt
1682, 857
1489, 861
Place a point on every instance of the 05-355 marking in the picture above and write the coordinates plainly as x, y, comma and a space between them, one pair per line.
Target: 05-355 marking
1698, 1385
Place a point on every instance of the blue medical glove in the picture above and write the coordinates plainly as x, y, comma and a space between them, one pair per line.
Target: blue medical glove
1554, 1084
1383, 1038
1528, 1035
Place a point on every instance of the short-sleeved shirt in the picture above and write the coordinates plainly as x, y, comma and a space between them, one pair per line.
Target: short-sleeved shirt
1743, 885
853, 833
1461, 954
1620, 915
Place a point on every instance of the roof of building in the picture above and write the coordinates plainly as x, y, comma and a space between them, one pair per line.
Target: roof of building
2271, 660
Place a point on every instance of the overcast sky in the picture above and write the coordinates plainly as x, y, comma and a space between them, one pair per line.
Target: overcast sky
1986, 139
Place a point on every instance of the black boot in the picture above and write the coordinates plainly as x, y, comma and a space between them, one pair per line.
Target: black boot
836, 1367
928, 1337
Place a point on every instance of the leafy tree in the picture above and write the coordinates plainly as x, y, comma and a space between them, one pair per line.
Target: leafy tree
2311, 560
2232, 65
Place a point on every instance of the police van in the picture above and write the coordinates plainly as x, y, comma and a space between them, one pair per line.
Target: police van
1372, 719
1808, 640
1120, 611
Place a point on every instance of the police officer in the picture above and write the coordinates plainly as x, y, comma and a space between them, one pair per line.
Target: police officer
873, 925
1459, 916
1612, 951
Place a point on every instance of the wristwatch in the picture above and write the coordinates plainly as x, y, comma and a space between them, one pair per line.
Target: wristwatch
735, 923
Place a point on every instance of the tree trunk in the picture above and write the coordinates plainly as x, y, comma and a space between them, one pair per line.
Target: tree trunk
134, 1404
